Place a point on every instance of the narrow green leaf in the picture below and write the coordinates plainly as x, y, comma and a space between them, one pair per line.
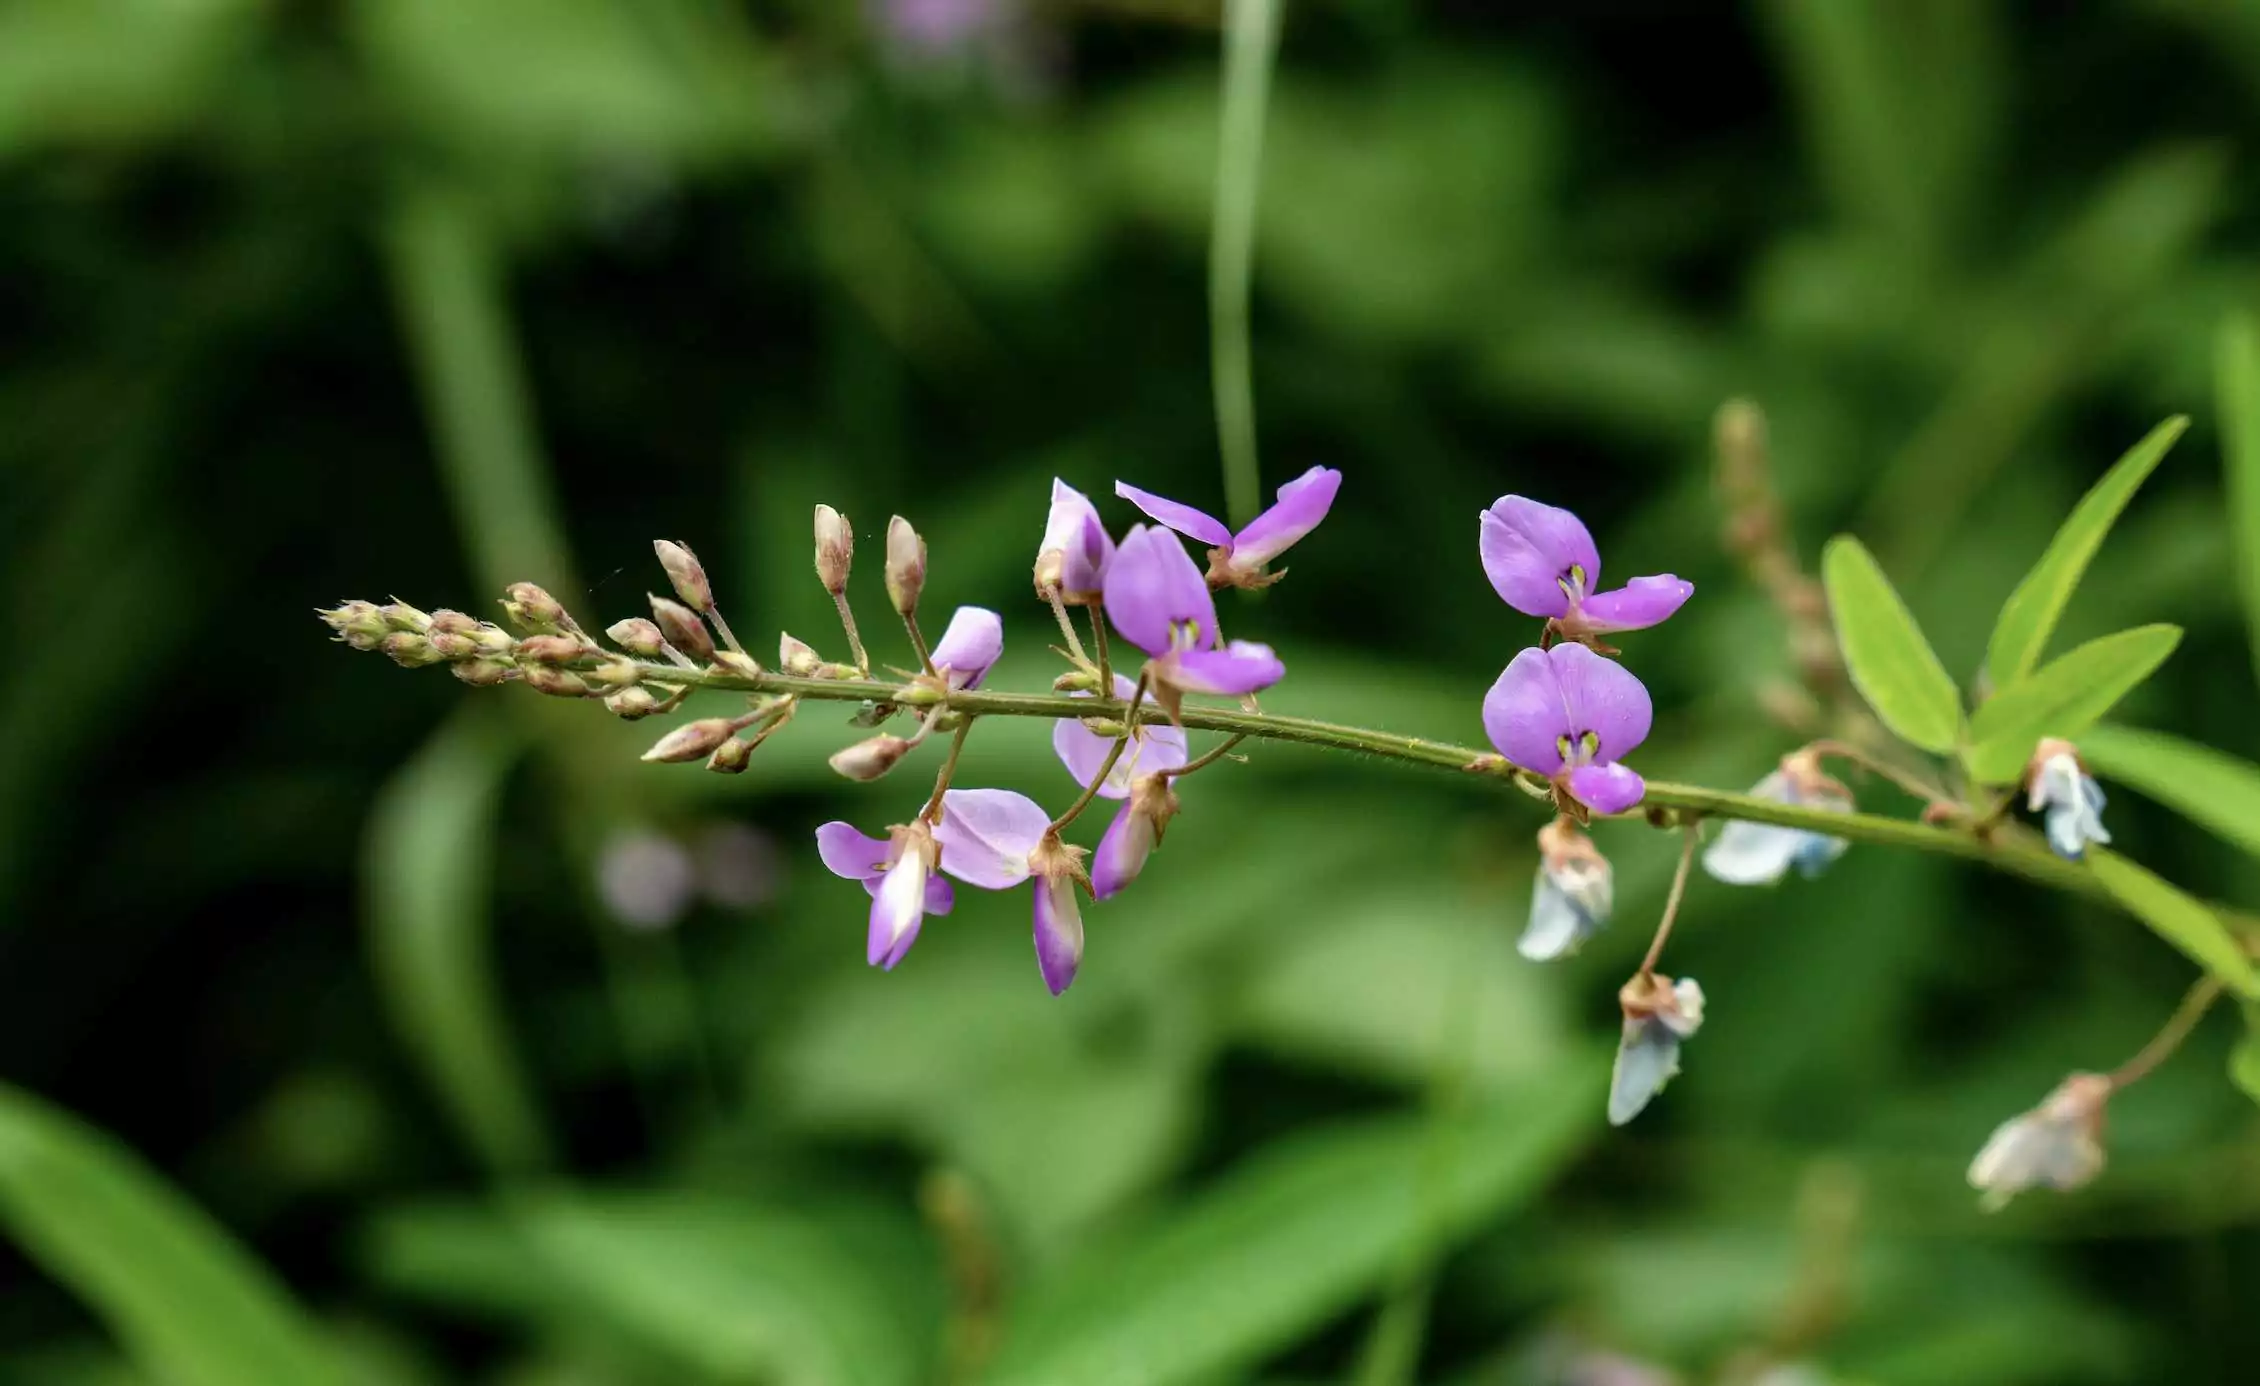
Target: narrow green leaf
185, 1301
2211, 788
2064, 697
1290, 1240
2236, 367
429, 850
2244, 1060
2029, 618
1891, 664
2177, 918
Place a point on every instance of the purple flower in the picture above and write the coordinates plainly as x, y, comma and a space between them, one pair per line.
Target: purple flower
1568, 714
995, 839
1153, 746
1543, 563
1073, 557
1136, 830
1237, 560
1156, 598
899, 873
973, 642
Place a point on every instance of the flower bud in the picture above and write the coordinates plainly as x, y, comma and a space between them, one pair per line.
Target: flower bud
484, 672
687, 573
691, 740
557, 683
493, 639
638, 637
399, 615
738, 662
798, 658
549, 649
835, 549
612, 673
906, 566
632, 704
409, 651
452, 645
1076, 681
532, 608
869, 759
357, 623
731, 757
683, 629
449, 622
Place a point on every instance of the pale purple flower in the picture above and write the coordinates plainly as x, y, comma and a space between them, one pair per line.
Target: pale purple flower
1136, 830
899, 872
1157, 599
939, 28
1153, 746
1237, 560
995, 839
1573, 896
1658, 1014
1568, 714
1746, 853
1073, 557
973, 641
2058, 786
646, 879
1543, 563
2057, 1145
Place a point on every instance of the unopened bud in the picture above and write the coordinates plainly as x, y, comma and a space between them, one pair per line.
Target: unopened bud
798, 658
557, 683
549, 649
906, 566
446, 622
638, 637
687, 573
532, 608
1076, 681
399, 615
633, 703
493, 639
356, 623
835, 549
868, 760
409, 651
738, 662
484, 672
731, 757
691, 740
452, 644
612, 673
683, 629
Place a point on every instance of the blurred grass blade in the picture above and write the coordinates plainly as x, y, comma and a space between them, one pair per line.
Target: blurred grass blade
2177, 918
1891, 663
2030, 616
1288, 1241
744, 1291
2236, 366
2211, 788
188, 1303
2244, 1060
2063, 697
431, 842
1251, 42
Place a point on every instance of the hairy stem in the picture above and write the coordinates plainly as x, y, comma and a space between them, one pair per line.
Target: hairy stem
932, 813
854, 636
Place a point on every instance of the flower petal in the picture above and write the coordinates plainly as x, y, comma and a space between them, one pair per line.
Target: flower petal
1639, 604
1059, 931
1603, 697
1529, 549
897, 909
987, 834
1193, 524
1302, 503
849, 853
1088, 555
1153, 585
1753, 853
973, 642
1122, 852
1523, 713
1557, 926
1607, 788
1156, 746
1241, 667
1647, 1058
1065, 519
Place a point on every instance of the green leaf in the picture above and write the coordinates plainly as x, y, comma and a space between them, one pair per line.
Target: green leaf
2064, 697
2244, 1060
2236, 367
1288, 1241
2026, 621
429, 850
2211, 788
1891, 664
184, 1300
2177, 918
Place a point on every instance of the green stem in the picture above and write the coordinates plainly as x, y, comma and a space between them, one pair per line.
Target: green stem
1251, 40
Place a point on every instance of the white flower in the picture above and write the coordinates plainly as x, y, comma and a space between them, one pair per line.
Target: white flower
2058, 786
2057, 1145
1761, 853
1658, 1015
1572, 897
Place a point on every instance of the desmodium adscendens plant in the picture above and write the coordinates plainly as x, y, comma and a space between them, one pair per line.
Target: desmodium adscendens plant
1562, 719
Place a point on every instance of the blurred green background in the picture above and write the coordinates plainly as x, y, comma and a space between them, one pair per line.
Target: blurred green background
512, 1060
